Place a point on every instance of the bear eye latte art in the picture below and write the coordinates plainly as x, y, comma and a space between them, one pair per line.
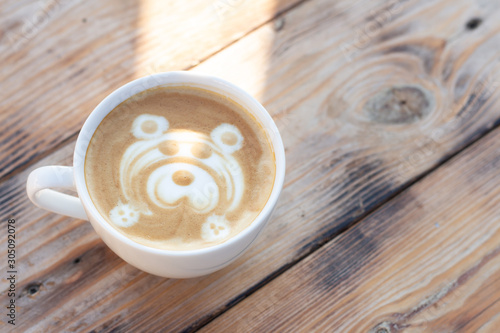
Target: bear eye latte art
179, 168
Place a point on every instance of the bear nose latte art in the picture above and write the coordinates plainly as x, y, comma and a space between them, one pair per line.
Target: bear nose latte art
179, 168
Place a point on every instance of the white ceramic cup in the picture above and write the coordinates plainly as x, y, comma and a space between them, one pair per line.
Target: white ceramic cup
174, 264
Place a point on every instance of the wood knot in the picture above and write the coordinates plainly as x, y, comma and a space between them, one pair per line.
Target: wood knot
279, 24
473, 23
384, 327
398, 105
33, 289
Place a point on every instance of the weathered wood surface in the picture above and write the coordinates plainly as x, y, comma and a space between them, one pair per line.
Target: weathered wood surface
362, 116
427, 261
60, 58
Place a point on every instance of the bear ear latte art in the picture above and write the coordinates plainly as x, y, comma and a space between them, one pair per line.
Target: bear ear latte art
179, 168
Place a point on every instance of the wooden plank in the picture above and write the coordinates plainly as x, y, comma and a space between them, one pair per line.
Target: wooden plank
343, 159
60, 58
428, 261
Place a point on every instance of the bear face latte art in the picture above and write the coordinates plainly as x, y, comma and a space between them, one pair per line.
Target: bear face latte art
179, 168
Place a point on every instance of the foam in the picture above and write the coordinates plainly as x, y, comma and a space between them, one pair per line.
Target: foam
124, 215
218, 134
186, 163
216, 227
209, 174
137, 127
202, 193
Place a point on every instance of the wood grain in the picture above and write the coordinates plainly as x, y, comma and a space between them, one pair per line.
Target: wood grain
60, 58
428, 261
358, 126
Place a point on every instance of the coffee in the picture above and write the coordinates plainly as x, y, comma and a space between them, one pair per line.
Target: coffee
179, 168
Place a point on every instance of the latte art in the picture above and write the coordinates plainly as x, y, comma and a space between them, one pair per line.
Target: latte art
179, 168
180, 164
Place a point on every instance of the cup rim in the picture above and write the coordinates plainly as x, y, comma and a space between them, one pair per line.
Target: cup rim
207, 82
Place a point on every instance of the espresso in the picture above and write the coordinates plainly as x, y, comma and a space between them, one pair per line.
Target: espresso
179, 168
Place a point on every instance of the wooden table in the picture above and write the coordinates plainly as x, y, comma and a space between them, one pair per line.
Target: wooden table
389, 220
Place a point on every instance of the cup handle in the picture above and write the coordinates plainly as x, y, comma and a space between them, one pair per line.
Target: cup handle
40, 191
